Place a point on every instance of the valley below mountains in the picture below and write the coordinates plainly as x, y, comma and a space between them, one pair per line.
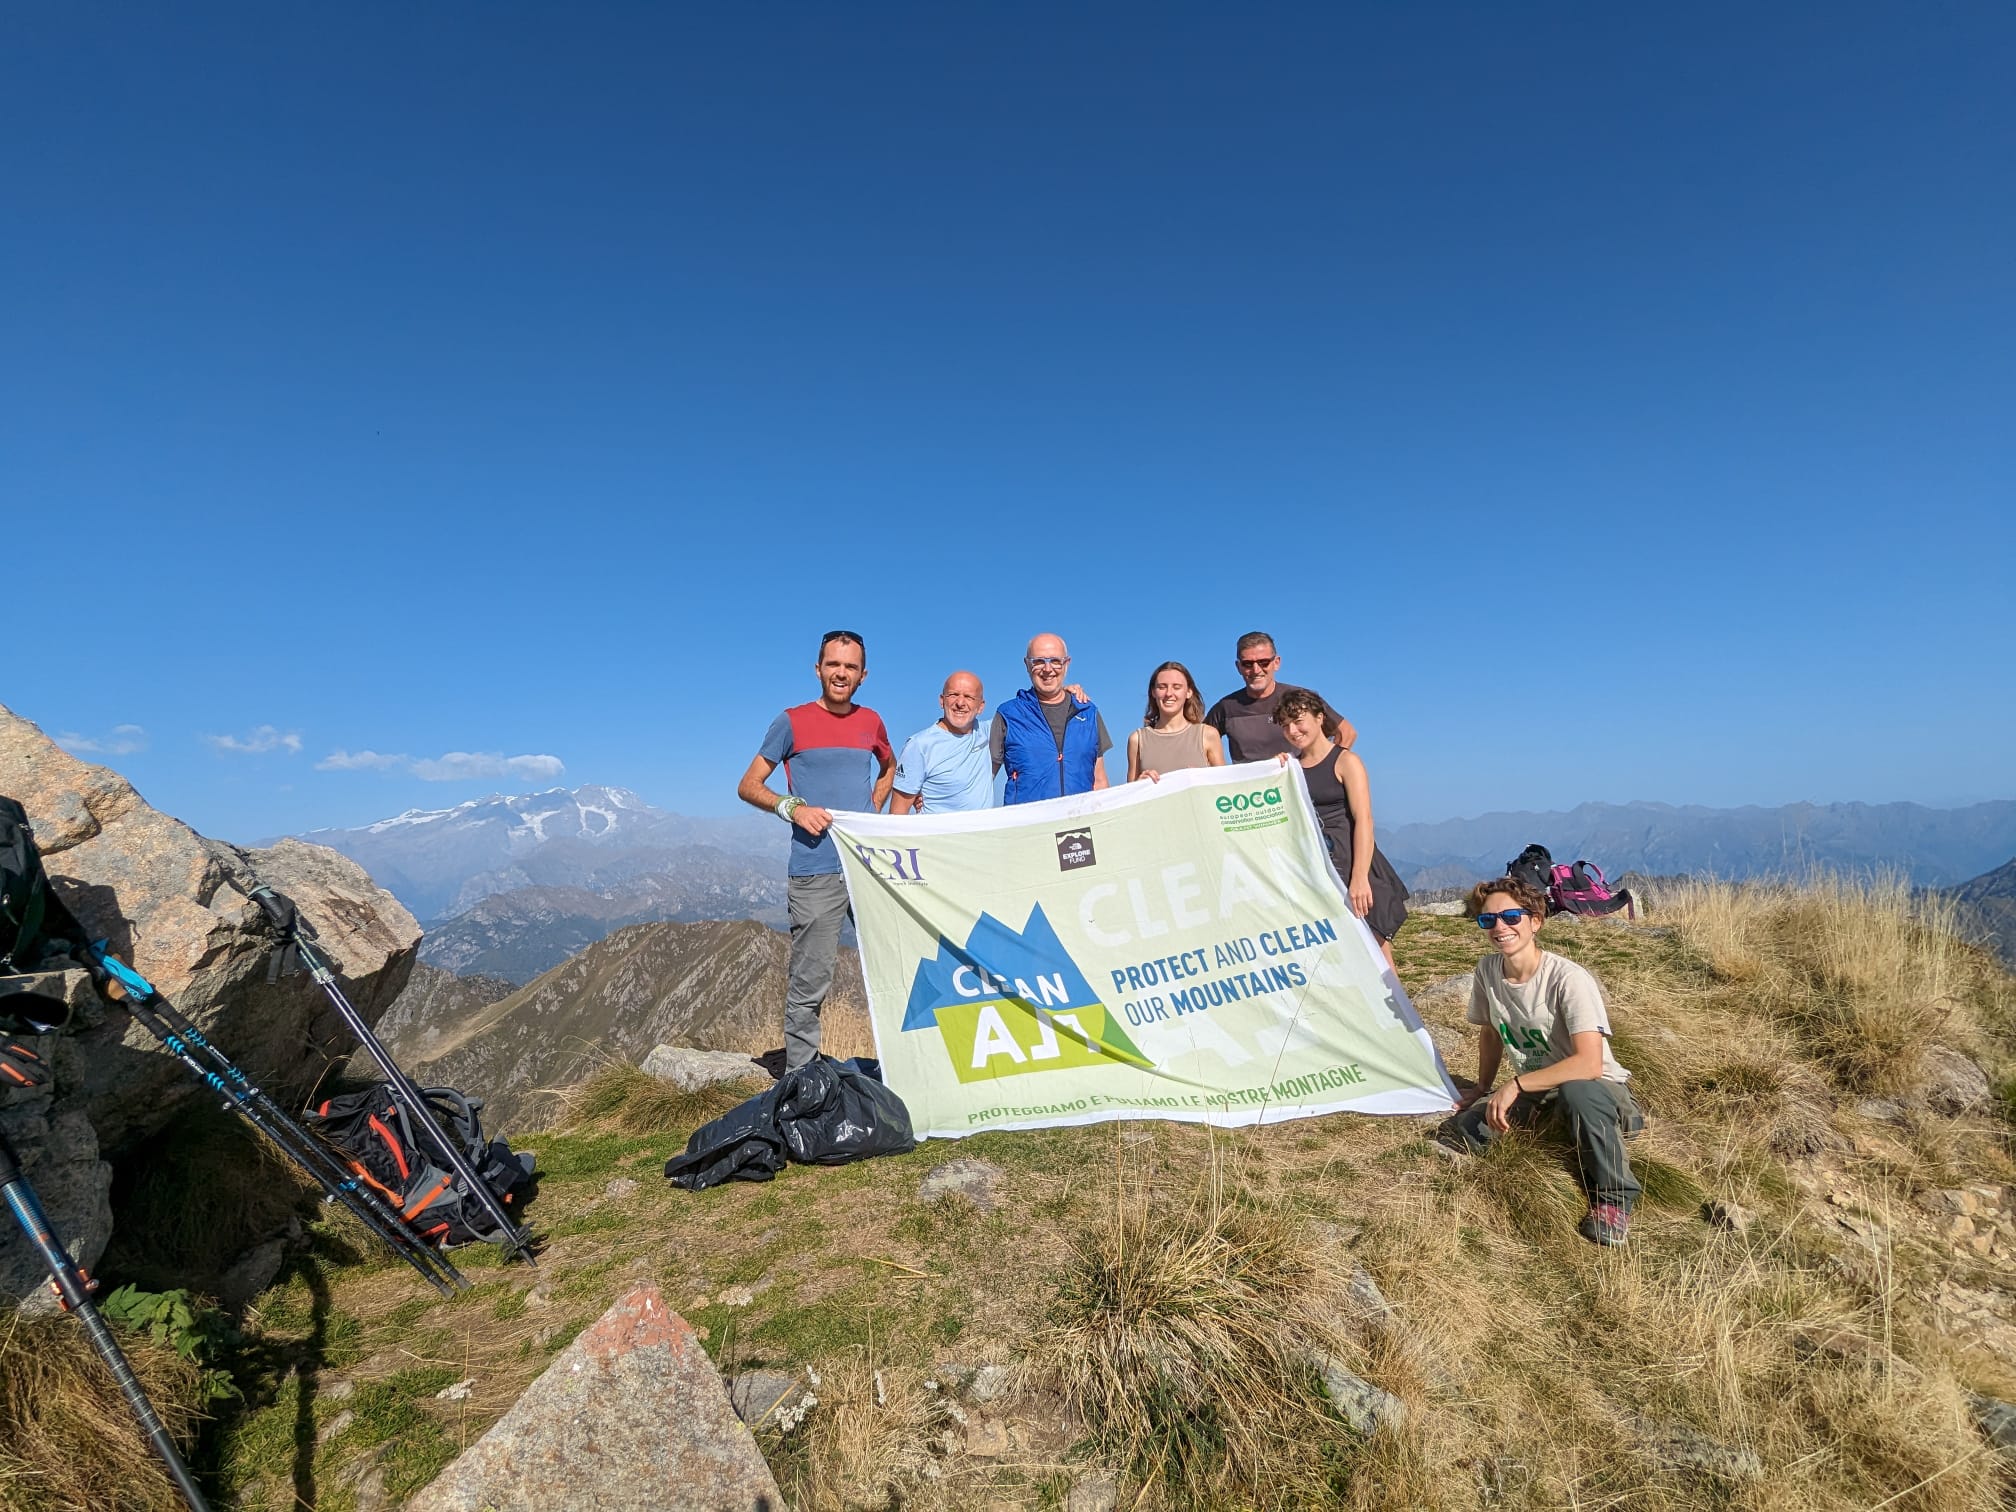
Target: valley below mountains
703, 986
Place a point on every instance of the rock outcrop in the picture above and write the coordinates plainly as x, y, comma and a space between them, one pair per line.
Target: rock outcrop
169, 901
630, 1417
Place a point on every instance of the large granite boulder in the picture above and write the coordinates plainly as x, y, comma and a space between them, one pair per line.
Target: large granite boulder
170, 901
630, 1417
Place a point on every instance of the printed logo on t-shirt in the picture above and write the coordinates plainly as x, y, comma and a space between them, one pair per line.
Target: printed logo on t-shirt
1074, 849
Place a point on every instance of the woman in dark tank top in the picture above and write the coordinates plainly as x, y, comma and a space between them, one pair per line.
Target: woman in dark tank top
1173, 735
1343, 800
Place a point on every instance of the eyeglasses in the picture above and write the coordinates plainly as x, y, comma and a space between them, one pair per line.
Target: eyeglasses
1257, 663
1509, 915
1048, 661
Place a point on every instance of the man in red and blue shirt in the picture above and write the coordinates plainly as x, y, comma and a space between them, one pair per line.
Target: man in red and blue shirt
836, 755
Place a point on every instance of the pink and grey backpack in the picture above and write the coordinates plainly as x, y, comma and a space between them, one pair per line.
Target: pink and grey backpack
1582, 889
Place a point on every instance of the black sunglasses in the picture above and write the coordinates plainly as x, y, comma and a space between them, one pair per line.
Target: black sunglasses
1509, 915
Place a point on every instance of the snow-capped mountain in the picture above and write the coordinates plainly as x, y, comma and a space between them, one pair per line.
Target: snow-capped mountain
440, 862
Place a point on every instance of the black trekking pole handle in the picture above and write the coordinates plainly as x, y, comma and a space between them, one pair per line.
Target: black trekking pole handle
295, 936
76, 1295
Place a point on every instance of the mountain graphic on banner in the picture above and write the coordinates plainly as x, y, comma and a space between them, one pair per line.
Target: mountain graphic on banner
998, 963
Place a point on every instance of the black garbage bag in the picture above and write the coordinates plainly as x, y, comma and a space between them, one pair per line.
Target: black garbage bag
827, 1112
743, 1144
834, 1111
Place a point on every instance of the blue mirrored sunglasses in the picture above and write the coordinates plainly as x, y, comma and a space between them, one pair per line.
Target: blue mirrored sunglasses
1509, 915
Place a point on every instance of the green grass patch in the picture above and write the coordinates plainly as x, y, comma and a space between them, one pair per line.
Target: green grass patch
1666, 1185
599, 1221
572, 1157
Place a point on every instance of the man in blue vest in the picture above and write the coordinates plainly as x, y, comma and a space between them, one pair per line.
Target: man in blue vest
1050, 740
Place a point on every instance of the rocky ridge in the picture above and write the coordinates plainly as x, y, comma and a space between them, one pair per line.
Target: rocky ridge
170, 901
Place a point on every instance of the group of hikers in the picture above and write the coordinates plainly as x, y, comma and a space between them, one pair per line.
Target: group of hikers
1543, 1012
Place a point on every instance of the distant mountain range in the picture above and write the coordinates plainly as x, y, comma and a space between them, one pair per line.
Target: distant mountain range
515, 885
440, 862
1930, 847
709, 986
512, 886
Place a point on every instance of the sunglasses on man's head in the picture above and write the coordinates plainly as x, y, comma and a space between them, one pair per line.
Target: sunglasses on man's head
1509, 915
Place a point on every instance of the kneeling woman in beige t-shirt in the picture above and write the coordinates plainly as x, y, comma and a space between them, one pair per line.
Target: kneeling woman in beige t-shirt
1173, 735
1547, 1015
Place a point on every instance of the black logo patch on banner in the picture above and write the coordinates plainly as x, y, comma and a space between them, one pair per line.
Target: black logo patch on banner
1074, 849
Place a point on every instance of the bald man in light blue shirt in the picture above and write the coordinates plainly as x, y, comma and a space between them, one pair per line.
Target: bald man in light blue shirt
945, 767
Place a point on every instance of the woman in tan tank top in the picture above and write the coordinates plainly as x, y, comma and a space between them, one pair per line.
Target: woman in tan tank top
1173, 735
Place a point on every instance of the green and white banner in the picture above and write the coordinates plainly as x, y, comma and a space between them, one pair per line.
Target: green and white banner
1180, 949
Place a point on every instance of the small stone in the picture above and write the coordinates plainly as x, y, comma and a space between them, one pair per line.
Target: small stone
965, 1177
767, 1396
1136, 1136
334, 1426
1095, 1491
1996, 1419
1448, 1152
1371, 1301
620, 1188
986, 1438
1881, 1110
254, 1272
336, 1389
1953, 1083
1365, 1407
1958, 1229
741, 1296
1688, 1448
989, 1384
1947, 1200
459, 1392
1842, 1198
690, 1070
538, 1297
1728, 1215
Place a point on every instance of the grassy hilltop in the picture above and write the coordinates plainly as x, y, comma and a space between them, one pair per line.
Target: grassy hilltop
1167, 1296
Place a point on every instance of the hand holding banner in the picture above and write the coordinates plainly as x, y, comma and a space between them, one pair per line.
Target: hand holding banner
1180, 949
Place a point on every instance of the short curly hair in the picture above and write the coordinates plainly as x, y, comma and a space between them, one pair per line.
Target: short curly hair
1525, 894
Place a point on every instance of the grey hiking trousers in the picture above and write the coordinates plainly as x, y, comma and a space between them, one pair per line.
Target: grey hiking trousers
1598, 1114
818, 907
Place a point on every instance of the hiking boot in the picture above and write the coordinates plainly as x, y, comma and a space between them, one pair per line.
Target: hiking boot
1606, 1224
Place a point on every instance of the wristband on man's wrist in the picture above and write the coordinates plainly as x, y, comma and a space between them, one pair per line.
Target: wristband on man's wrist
1515, 1083
788, 805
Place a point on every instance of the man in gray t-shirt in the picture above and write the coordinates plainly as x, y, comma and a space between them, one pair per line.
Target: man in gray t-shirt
1246, 718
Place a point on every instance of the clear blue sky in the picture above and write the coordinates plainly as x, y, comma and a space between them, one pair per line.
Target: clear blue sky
1595, 404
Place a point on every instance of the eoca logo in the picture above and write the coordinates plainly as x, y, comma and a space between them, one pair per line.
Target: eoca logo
1240, 803
1074, 849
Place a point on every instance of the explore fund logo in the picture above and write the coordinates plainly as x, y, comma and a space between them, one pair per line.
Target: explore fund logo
1074, 849
1255, 809
1011, 1002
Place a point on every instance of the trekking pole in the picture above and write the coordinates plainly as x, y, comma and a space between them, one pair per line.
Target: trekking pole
512, 1239
183, 1039
75, 1291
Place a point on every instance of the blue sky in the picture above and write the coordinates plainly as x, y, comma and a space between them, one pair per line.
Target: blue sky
1596, 405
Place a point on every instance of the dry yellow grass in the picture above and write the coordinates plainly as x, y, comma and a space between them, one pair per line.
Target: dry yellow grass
70, 1443
1157, 1286
623, 1099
